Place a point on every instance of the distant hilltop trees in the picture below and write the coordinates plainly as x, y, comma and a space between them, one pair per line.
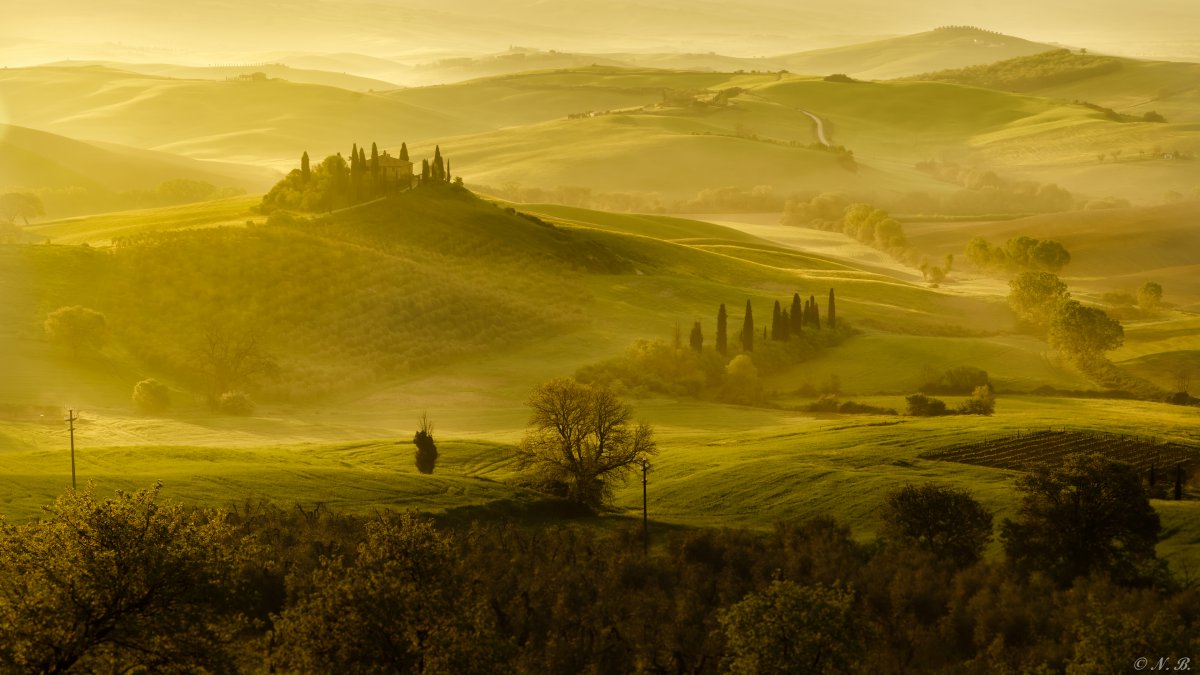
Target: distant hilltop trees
971, 29
336, 183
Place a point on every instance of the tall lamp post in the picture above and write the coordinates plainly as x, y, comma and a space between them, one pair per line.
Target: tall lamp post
645, 519
71, 417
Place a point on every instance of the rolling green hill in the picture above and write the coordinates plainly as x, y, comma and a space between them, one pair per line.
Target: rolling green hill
947, 47
74, 176
278, 71
1129, 86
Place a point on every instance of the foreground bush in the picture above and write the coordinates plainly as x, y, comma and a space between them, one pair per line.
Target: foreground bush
125, 584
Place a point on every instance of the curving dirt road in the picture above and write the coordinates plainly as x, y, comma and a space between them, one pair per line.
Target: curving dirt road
820, 127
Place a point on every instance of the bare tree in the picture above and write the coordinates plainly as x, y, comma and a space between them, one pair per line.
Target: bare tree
229, 359
582, 436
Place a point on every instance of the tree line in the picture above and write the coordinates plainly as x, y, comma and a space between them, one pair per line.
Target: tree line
135, 583
728, 370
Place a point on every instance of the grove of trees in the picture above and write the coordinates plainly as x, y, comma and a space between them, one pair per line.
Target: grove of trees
133, 583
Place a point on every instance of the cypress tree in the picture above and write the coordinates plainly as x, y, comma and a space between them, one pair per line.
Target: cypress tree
438, 169
785, 326
424, 171
722, 347
797, 315
816, 312
374, 159
831, 312
748, 330
447, 169
305, 170
776, 326
404, 151
696, 339
362, 159
354, 157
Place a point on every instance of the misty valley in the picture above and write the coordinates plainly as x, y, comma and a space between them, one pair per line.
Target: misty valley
423, 351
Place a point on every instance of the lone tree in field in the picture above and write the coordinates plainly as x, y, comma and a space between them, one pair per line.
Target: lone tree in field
1150, 296
947, 522
1084, 333
1035, 296
23, 205
77, 327
230, 359
1089, 515
831, 313
427, 453
722, 340
696, 339
583, 436
151, 397
748, 329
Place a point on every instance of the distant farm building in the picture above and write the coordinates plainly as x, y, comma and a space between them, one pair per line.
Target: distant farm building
396, 171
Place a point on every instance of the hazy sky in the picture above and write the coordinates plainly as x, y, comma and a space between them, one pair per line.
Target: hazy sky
216, 31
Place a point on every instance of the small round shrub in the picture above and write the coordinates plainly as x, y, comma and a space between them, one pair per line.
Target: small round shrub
235, 403
151, 397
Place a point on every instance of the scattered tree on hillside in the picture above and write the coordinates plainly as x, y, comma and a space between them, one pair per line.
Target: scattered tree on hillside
231, 359
582, 436
944, 521
981, 402
785, 325
776, 323
305, 169
1084, 332
1035, 296
814, 313
920, 405
1089, 515
404, 151
23, 205
1150, 296
748, 329
696, 339
151, 397
722, 340
374, 161
427, 453
120, 585
77, 327
1019, 254
831, 312
425, 175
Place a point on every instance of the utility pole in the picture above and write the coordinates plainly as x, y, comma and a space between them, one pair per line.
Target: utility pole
645, 520
71, 417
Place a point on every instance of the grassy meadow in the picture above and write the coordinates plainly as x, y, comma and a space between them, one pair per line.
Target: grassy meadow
451, 305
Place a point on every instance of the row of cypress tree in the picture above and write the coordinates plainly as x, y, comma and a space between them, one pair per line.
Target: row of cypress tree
784, 323
337, 183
